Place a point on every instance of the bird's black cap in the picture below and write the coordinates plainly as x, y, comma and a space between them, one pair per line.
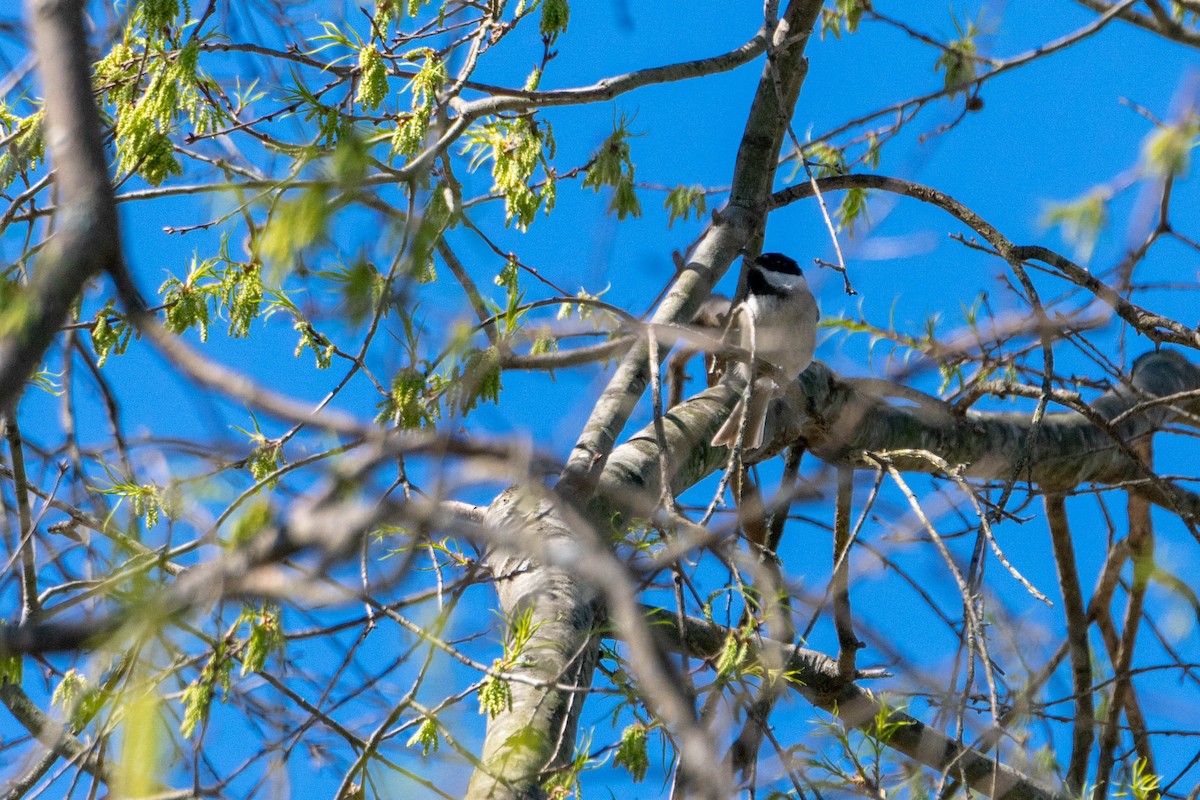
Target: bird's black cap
778, 262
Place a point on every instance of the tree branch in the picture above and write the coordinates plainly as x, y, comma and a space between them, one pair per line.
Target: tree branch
816, 677
1163, 25
86, 241
1084, 732
839, 422
1158, 328
552, 715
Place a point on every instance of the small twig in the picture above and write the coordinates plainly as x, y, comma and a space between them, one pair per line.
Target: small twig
846, 287
26, 546
1084, 727
843, 620
829, 226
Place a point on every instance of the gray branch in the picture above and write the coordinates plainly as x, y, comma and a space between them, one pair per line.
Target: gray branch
565, 603
815, 676
86, 240
838, 422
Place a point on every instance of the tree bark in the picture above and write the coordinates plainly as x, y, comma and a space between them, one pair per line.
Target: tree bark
547, 738
86, 240
838, 421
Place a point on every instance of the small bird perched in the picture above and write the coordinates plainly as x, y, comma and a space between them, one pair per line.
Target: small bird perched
778, 320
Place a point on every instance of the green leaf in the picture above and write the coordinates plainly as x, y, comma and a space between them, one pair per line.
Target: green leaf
1081, 221
295, 225
242, 288
846, 14
871, 156
495, 695
148, 500
852, 209
198, 696
110, 333
683, 201
361, 287
78, 699
516, 148
733, 656
117, 75
144, 148
478, 378
155, 15
829, 160
27, 148
265, 459
266, 637
1142, 784
253, 519
143, 127
426, 737
555, 16
196, 699
632, 753
187, 301
387, 10
958, 60
1167, 151
410, 134
613, 166
429, 80
310, 338
508, 275
12, 667
407, 405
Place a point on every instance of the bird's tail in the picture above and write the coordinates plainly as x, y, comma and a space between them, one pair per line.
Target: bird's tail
756, 419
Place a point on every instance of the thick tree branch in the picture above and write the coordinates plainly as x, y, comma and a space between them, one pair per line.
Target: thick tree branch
839, 422
574, 599
743, 216
86, 240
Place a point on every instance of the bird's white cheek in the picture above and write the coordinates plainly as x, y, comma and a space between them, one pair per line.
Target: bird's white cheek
790, 284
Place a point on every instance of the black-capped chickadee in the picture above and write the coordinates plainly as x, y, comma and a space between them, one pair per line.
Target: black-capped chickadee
783, 315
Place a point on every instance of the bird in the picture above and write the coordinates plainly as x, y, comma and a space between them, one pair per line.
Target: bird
777, 319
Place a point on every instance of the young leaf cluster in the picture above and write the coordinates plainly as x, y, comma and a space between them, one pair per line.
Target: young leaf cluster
683, 201
79, 700
958, 59
632, 753
410, 133
27, 148
1167, 151
1081, 221
495, 694
234, 288
388, 10
149, 500
426, 737
612, 166
265, 637
844, 16
143, 124
110, 333
372, 84
516, 148
198, 696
